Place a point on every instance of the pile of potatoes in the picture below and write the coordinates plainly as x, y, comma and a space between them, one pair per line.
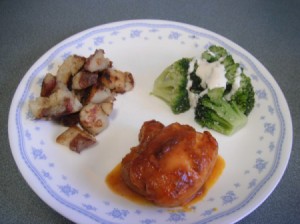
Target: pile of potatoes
81, 96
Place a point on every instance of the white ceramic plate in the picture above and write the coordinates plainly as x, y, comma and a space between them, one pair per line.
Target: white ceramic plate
74, 185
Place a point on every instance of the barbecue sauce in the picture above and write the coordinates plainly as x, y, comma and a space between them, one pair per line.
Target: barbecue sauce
116, 184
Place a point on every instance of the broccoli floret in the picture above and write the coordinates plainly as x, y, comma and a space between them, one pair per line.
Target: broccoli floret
217, 53
231, 68
214, 53
196, 81
223, 109
244, 96
214, 112
170, 86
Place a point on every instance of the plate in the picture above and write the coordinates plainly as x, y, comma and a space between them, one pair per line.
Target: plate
74, 184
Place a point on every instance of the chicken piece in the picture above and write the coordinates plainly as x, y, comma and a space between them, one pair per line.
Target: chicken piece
76, 139
48, 85
149, 130
117, 81
170, 164
84, 79
99, 94
94, 117
59, 103
69, 67
97, 62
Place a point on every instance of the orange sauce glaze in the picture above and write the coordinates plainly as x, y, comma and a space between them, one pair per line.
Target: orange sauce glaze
117, 185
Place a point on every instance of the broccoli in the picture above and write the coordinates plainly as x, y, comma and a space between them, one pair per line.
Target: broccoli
170, 86
223, 108
231, 68
226, 110
214, 112
214, 53
244, 96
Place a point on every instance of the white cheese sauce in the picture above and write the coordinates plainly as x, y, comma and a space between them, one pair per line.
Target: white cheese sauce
235, 85
193, 97
212, 74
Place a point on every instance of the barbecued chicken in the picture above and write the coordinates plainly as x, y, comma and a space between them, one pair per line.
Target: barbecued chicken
170, 164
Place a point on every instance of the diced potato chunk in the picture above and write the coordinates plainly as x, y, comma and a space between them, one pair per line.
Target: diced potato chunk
48, 85
69, 67
93, 118
84, 79
97, 62
117, 81
57, 104
76, 139
99, 94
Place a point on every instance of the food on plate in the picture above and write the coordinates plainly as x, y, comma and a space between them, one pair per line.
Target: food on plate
69, 68
171, 86
81, 96
48, 85
68, 120
119, 82
171, 163
94, 117
97, 62
59, 103
76, 139
84, 79
214, 85
99, 93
